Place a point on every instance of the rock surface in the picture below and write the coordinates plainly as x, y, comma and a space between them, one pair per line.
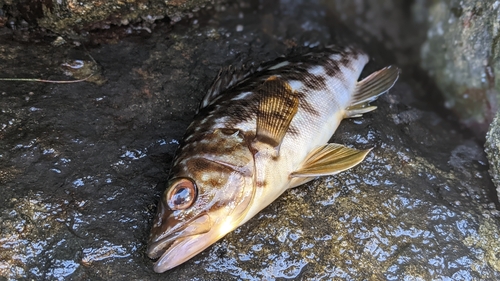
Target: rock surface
462, 54
75, 19
492, 148
80, 164
374, 21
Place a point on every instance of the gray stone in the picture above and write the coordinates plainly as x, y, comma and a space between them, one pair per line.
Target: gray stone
75, 19
461, 54
389, 23
80, 164
492, 148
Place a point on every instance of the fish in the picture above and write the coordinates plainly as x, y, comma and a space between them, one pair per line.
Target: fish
258, 133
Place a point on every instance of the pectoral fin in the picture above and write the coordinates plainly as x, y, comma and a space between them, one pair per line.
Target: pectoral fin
369, 89
330, 159
277, 107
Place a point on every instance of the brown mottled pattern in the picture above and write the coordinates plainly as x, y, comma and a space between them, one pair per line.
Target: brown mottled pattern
332, 68
261, 184
236, 111
345, 61
226, 78
313, 82
306, 105
207, 173
212, 142
228, 144
293, 131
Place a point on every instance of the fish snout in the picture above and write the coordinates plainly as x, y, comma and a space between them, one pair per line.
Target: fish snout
160, 231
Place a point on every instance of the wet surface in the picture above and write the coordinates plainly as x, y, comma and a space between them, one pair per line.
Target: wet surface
82, 166
492, 149
461, 54
89, 21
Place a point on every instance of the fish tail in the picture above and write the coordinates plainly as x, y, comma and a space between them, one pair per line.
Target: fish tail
369, 89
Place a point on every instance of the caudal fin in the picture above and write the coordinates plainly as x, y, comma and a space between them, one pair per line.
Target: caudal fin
369, 89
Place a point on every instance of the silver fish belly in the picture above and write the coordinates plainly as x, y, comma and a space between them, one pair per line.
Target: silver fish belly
257, 134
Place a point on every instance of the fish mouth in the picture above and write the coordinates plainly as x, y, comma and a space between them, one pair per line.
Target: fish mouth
177, 245
182, 249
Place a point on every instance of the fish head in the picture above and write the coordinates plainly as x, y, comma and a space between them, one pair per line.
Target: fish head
206, 199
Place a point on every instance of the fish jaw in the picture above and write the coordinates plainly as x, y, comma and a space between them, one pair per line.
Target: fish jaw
168, 230
174, 242
176, 247
183, 249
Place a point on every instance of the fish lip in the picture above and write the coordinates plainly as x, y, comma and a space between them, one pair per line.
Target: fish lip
158, 247
161, 264
162, 243
184, 249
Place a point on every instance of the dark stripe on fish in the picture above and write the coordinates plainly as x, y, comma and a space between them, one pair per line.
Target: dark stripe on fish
305, 105
233, 109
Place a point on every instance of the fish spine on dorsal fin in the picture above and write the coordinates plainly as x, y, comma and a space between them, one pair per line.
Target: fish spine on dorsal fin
300, 51
230, 76
227, 77
306, 56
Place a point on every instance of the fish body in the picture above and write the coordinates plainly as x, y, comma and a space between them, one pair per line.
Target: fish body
257, 134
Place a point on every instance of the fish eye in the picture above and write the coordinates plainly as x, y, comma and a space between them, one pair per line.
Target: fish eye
182, 194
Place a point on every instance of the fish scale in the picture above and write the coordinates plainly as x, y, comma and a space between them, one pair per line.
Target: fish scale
233, 110
257, 134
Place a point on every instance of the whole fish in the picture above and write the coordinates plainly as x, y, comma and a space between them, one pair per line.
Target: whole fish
257, 134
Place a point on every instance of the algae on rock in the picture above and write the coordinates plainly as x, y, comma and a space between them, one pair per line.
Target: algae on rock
462, 54
74, 19
492, 148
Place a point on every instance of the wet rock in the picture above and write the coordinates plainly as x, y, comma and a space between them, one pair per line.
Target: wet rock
80, 166
3, 18
461, 53
492, 148
373, 21
75, 19
488, 240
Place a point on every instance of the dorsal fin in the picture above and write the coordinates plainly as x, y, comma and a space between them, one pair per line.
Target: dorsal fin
230, 76
226, 78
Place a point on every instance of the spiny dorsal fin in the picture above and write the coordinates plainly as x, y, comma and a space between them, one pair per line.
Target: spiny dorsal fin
226, 78
369, 89
277, 107
330, 159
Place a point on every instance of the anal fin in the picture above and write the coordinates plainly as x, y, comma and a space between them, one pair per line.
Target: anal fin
369, 89
277, 107
330, 159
